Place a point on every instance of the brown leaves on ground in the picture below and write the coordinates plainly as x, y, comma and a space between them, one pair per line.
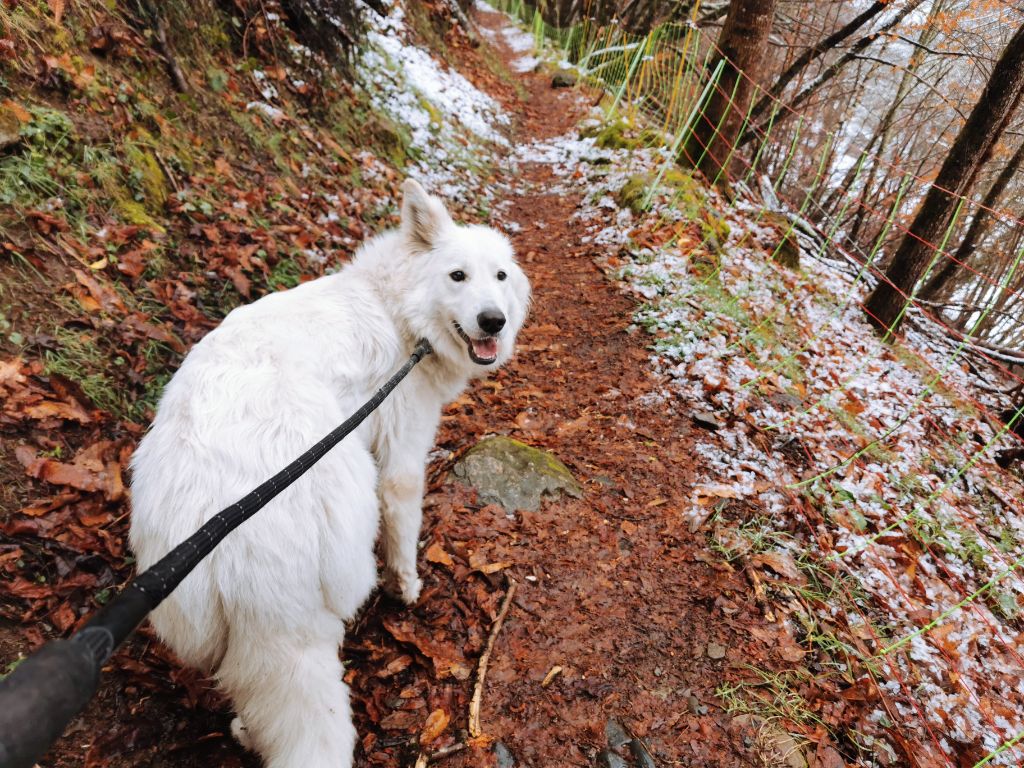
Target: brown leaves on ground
96, 468
23, 397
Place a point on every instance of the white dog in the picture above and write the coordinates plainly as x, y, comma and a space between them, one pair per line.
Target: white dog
265, 612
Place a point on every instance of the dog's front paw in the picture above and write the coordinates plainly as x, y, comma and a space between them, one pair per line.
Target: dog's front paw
411, 589
405, 587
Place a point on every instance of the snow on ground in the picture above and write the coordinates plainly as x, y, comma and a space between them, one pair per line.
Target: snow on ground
864, 465
847, 454
446, 117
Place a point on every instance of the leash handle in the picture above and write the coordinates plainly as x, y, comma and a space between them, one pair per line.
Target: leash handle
39, 698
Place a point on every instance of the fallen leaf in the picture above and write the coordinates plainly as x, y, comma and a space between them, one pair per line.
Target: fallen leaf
91, 470
780, 562
396, 665
10, 373
400, 721
63, 617
707, 492
435, 554
437, 721
478, 562
23, 115
52, 409
554, 672
103, 296
446, 658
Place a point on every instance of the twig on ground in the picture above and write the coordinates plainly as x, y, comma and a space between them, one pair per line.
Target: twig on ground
424, 759
167, 171
481, 673
760, 593
554, 672
158, 27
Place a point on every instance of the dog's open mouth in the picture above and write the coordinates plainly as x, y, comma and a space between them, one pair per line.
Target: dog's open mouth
481, 351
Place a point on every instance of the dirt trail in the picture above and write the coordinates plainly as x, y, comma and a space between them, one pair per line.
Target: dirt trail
612, 587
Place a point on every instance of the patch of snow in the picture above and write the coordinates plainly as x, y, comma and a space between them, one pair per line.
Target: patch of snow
269, 111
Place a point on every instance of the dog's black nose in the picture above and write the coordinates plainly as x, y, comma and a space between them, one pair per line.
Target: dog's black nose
490, 320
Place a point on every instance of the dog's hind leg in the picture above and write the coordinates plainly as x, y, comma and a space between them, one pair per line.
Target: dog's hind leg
293, 708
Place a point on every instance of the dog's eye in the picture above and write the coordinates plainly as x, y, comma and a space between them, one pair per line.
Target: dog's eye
501, 275
458, 275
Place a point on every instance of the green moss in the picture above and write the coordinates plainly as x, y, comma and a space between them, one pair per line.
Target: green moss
633, 193
145, 173
133, 212
619, 134
611, 135
714, 228
685, 193
436, 118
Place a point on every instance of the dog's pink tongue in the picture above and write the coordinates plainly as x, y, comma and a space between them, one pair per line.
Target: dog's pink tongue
485, 349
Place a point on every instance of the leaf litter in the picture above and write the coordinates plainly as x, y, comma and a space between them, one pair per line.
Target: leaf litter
616, 591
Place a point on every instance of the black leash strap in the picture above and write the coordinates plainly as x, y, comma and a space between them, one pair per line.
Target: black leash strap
39, 698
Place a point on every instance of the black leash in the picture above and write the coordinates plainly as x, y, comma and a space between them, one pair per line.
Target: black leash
39, 698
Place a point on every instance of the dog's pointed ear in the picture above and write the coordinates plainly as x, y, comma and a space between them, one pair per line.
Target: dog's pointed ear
424, 217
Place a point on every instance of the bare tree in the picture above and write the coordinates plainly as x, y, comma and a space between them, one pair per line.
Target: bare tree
947, 274
824, 45
741, 44
970, 150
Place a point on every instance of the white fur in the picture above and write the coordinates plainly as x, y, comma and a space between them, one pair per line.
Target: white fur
265, 612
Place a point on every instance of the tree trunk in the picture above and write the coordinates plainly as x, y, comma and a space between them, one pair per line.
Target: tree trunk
979, 227
972, 147
742, 43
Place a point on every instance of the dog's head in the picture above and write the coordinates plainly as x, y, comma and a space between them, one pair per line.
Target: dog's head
470, 296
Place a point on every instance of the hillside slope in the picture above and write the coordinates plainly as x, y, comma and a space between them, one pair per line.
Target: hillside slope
793, 547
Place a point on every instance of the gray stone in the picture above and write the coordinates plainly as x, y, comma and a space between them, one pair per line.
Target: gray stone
563, 78
514, 475
504, 756
777, 746
707, 420
641, 755
616, 734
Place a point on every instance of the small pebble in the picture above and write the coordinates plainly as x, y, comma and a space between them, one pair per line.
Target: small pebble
504, 756
716, 650
615, 734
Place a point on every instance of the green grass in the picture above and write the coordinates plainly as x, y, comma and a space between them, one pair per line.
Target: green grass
286, 273
78, 357
757, 534
772, 696
39, 172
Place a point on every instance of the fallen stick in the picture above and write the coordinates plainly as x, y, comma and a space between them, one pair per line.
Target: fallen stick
481, 672
424, 759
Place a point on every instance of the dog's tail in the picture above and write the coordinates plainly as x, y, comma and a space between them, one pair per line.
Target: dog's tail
292, 704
